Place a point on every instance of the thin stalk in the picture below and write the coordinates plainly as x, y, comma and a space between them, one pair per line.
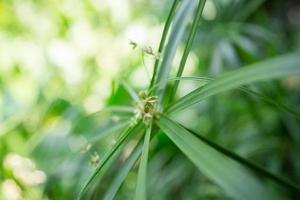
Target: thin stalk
188, 47
163, 39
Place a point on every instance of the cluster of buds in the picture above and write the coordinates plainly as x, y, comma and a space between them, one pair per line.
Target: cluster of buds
146, 49
146, 107
149, 51
95, 159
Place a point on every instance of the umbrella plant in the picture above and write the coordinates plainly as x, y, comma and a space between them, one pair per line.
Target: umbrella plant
154, 112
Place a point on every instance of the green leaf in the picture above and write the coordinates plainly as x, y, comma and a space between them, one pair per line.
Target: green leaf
141, 185
134, 96
188, 46
123, 173
236, 181
280, 105
179, 25
248, 9
273, 68
245, 162
113, 129
111, 155
116, 110
97, 125
163, 39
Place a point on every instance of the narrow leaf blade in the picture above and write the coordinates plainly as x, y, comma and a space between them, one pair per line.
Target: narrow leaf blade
188, 46
122, 174
163, 39
247, 163
205, 80
141, 184
181, 20
111, 155
228, 174
273, 68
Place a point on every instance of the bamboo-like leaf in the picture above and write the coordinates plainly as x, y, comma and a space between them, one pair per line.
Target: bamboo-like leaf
141, 185
188, 46
236, 181
273, 68
110, 156
181, 20
122, 174
163, 39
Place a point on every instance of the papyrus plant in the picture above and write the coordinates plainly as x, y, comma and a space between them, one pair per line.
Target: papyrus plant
155, 107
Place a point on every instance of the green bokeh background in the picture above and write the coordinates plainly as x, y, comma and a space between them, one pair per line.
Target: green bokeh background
62, 61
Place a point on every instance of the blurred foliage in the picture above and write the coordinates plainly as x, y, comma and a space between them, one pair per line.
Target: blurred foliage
63, 63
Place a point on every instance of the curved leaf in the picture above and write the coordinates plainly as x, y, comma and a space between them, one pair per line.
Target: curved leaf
246, 90
273, 68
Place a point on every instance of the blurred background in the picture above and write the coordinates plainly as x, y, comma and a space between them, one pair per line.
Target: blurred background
61, 62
